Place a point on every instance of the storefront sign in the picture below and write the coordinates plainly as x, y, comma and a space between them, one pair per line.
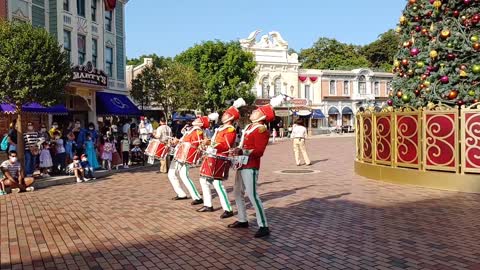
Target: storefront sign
262, 101
299, 102
296, 102
88, 75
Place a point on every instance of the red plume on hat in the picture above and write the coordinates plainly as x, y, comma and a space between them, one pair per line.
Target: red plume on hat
233, 110
205, 121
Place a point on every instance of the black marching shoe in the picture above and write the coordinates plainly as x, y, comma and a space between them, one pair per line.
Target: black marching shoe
238, 224
263, 231
196, 202
205, 209
227, 214
176, 198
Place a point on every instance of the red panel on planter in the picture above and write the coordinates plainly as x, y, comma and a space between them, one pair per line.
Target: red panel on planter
367, 138
472, 140
407, 139
313, 78
384, 138
440, 140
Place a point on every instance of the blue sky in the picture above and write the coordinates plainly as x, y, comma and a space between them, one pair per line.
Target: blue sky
168, 27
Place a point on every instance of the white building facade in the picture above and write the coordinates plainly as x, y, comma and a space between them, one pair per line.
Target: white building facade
93, 34
329, 98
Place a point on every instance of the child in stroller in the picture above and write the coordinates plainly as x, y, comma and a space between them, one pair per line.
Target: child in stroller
136, 154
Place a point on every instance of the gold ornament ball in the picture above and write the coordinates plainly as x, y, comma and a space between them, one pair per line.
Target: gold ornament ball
426, 83
428, 90
433, 54
403, 19
437, 4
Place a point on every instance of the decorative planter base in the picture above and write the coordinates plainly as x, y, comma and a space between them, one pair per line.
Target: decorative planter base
429, 179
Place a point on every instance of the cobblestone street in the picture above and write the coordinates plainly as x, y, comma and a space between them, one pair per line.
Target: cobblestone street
330, 219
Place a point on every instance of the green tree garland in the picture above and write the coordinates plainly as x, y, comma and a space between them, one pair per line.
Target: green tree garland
439, 55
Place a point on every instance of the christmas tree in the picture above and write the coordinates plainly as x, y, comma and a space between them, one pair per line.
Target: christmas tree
439, 55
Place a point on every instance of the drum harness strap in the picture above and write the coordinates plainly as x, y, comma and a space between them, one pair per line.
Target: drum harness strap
221, 129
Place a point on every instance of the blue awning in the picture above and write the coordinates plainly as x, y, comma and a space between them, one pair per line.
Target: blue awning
34, 108
333, 111
115, 104
347, 110
179, 117
317, 114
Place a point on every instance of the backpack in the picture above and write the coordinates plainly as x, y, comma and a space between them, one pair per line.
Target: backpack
4, 144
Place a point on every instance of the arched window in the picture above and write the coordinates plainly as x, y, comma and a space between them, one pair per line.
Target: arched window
265, 88
362, 85
277, 90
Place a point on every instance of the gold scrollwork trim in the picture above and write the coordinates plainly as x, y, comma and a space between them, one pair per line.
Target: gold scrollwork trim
429, 143
380, 140
469, 127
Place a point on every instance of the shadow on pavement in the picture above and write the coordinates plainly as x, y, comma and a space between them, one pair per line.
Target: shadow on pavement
333, 232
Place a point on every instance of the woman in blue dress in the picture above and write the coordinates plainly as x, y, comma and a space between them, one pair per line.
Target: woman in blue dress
91, 153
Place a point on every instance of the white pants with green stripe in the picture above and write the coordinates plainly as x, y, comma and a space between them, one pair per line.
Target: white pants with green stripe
246, 181
182, 170
221, 192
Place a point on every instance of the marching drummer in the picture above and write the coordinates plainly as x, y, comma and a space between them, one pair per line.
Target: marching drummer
252, 146
163, 133
223, 140
192, 138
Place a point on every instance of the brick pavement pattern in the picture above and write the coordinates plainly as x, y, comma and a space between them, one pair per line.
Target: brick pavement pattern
329, 220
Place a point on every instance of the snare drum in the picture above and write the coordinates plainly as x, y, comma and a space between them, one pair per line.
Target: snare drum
152, 147
215, 167
185, 153
162, 151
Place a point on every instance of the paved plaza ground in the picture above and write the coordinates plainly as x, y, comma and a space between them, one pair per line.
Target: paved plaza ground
328, 220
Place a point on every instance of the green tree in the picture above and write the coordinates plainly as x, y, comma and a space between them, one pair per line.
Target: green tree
225, 70
382, 51
172, 86
329, 53
439, 57
144, 86
33, 68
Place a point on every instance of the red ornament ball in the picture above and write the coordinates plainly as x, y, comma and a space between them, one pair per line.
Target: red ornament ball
451, 56
444, 79
467, 2
414, 51
389, 102
456, 13
460, 102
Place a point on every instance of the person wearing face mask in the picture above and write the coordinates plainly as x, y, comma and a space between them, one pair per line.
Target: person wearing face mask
43, 134
60, 158
14, 176
77, 169
93, 132
125, 148
31, 149
53, 129
142, 129
87, 169
80, 136
91, 153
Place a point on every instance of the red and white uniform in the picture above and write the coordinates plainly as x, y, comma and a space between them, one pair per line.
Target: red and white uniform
194, 136
254, 141
223, 140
